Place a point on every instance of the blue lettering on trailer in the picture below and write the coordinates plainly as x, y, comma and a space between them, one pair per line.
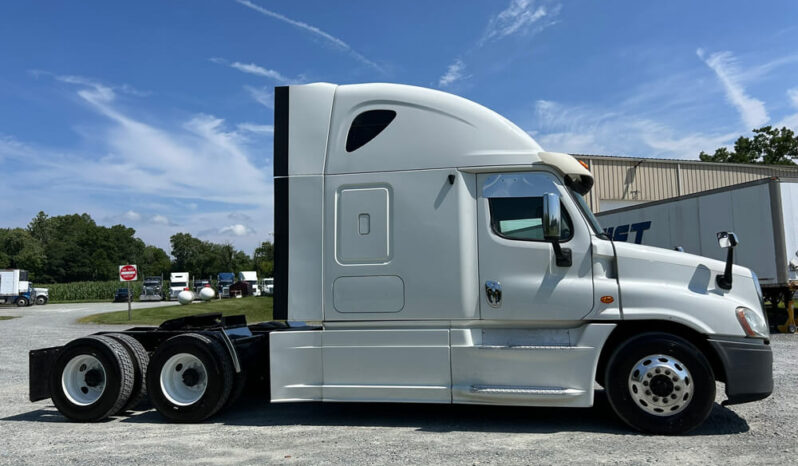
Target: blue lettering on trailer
622, 232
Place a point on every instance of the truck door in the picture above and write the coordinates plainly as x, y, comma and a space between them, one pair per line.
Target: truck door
518, 271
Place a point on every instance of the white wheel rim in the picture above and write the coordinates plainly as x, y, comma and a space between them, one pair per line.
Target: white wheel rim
184, 379
83, 380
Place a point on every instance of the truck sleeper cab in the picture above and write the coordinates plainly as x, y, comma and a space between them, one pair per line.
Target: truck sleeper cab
439, 255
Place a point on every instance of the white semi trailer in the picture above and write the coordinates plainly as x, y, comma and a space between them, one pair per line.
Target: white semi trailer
439, 255
763, 213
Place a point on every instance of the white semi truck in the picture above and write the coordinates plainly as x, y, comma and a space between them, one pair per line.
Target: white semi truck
178, 281
251, 278
763, 213
437, 254
16, 289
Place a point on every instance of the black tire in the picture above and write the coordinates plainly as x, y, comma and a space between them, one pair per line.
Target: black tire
41, 300
624, 361
141, 360
118, 378
22, 302
239, 384
217, 365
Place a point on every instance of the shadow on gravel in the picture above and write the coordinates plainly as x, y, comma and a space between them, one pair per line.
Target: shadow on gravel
253, 411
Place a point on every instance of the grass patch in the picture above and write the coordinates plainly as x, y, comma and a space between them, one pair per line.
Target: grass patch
256, 309
8, 317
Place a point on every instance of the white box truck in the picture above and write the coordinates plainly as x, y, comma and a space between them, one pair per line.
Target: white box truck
15, 288
251, 278
763, 214
438, 255
178, 281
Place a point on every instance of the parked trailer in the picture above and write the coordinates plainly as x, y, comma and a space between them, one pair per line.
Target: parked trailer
252, 279
449, 260
15, 288
763, 213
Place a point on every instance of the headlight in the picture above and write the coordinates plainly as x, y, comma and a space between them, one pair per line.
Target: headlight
752, 323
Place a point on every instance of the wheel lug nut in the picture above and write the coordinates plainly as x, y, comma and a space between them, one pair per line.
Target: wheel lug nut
657, 370
675, 379
655, 399
648, 392
645, 383
673, 396
667, 372
648, 375
677, 388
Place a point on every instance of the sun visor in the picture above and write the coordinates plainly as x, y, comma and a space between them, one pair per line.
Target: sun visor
577, 176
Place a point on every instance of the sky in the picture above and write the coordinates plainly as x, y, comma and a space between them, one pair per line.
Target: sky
158, 114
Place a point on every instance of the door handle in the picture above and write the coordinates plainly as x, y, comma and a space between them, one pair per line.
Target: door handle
493, 291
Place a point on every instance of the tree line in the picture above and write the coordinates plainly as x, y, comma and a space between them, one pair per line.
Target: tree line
768, 146
70, 248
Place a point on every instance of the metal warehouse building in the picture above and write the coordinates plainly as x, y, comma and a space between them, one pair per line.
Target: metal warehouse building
626, 181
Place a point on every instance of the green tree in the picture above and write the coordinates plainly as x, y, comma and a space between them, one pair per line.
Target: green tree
769, 146
264, 259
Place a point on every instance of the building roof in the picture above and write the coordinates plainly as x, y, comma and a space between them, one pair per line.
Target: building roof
683, 161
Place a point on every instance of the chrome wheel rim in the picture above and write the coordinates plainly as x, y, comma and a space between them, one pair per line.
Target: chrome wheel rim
83, 380
661, 385
184, 379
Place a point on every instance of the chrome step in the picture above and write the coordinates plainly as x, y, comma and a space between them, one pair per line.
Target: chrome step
553, 392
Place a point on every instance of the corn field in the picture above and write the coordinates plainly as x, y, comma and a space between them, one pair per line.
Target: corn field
88, 291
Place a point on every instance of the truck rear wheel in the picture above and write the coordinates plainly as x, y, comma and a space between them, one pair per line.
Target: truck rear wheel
92, 379
141, 360
189, 378
660, 383
22, 302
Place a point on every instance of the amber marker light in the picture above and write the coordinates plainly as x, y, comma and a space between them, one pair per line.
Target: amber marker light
607, 299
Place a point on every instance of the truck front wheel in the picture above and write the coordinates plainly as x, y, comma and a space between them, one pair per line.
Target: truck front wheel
189, 377
660, 383
41, 300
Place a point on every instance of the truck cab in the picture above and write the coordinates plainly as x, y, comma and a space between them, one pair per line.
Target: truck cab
178, 281
251, 278
224, 280
448, 237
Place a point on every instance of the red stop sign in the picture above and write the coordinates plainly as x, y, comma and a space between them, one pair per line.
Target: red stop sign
127, 273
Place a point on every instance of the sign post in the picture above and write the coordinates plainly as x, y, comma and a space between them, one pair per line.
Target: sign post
128, 273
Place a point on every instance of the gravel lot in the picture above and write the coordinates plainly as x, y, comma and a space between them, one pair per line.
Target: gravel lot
255, 432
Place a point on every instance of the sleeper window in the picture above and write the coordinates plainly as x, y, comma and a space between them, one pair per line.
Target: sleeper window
521, 218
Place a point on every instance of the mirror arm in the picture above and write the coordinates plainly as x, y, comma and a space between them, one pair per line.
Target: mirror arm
563, 255
725, 281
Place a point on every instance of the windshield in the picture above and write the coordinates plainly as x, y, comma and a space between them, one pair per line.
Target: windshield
591, 219
180, 284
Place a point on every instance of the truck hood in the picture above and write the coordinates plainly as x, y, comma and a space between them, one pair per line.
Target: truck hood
658, 283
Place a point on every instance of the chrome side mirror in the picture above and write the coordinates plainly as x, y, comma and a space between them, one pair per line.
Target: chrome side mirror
551, 216
727, 239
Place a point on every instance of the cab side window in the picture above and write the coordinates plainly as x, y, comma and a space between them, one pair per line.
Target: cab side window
521, 218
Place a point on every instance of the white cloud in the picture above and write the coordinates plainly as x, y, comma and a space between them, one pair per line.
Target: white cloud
752, 111
520, 17
313, 30
255, 128
261, 95
583, 130
132, 216
258, 70
160, 220
236, 230
454, 73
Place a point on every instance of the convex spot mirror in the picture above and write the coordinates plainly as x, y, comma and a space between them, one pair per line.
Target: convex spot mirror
727, 239
551, 216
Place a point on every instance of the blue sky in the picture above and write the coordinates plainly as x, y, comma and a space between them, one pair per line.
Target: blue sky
157, 114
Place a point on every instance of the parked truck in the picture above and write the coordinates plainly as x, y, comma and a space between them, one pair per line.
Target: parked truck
252, 279
41, 295
267, 286
15, 288
439, 255
763, 213
152, 289
224, 280
178, 281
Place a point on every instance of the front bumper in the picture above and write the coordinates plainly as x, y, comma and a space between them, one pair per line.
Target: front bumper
748, 367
